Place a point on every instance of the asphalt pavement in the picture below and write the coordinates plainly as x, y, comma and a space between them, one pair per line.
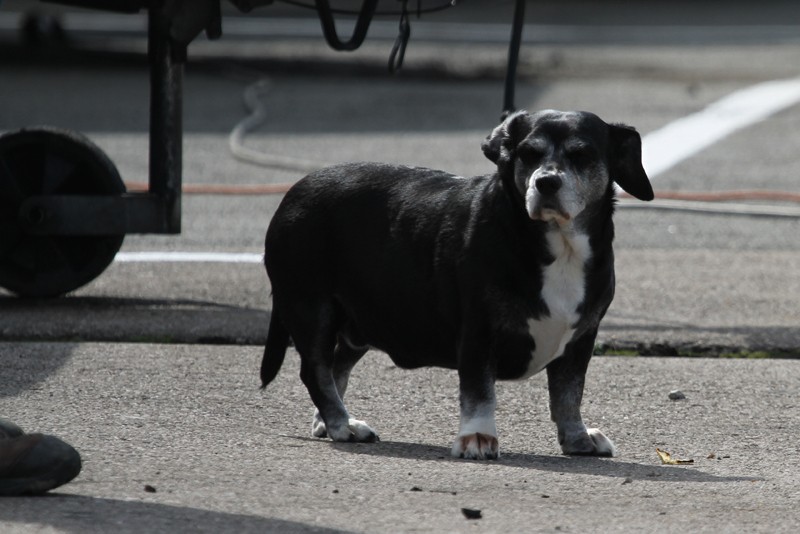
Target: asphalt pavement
150, 370
178, 438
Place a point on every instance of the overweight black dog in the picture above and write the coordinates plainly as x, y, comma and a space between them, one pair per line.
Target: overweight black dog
497, 276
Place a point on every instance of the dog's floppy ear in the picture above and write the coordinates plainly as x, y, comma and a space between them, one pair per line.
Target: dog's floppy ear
625, 161
499, 145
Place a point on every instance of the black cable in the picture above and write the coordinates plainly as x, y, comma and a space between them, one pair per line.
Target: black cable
398, 52
360, 31
513, 58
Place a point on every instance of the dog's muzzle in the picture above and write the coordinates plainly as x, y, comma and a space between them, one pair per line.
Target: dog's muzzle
542, 199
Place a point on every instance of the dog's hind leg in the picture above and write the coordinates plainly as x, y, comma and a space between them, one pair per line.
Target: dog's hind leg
344, 359
319, 374
565, 377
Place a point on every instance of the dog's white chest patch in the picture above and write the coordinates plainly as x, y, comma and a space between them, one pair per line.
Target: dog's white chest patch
563, 290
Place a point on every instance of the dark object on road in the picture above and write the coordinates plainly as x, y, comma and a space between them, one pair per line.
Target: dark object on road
676, 395
471, 513
497, 276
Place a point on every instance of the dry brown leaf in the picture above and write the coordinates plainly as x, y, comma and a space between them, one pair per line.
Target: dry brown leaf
667, 459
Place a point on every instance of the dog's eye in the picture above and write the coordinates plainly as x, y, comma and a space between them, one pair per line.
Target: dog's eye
529, 155
581, 156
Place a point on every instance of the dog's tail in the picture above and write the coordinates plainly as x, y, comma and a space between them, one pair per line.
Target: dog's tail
275, 349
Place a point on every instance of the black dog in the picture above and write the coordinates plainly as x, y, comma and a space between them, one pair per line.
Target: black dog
496, 276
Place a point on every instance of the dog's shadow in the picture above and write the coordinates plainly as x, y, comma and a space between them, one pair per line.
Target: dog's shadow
579, 465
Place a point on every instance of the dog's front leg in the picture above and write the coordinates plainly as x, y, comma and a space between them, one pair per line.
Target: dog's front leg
566, 376
477, 436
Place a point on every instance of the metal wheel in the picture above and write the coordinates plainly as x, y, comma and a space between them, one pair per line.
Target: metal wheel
50, 161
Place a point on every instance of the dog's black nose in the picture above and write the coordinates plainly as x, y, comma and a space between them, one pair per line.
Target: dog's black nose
548, 185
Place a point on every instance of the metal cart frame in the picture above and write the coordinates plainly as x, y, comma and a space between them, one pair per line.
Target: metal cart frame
158, 210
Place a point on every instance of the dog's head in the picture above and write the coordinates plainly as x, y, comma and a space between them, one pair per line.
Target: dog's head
561, 162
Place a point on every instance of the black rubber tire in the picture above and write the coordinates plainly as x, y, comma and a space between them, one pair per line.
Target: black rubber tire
51, 161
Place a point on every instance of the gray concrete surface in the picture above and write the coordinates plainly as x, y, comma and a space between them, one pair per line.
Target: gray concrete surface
223, 456
150, 370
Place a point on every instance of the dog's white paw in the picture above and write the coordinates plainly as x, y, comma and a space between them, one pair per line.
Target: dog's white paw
603, 446
362, 431
318, 429
476, 446
590, 443
355, 430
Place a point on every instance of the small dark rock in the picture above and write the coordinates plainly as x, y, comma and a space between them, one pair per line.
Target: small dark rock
628, 480
471, 513
676, 395
149, 489
416, 488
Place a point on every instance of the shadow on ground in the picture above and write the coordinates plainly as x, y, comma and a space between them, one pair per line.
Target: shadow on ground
131, 320
579, 465
67, 513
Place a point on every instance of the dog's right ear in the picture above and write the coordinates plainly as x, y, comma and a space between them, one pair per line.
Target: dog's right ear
500, 144
626, 162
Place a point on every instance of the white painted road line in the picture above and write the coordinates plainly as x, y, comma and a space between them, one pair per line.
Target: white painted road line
188, 257
661, 150
685, 137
